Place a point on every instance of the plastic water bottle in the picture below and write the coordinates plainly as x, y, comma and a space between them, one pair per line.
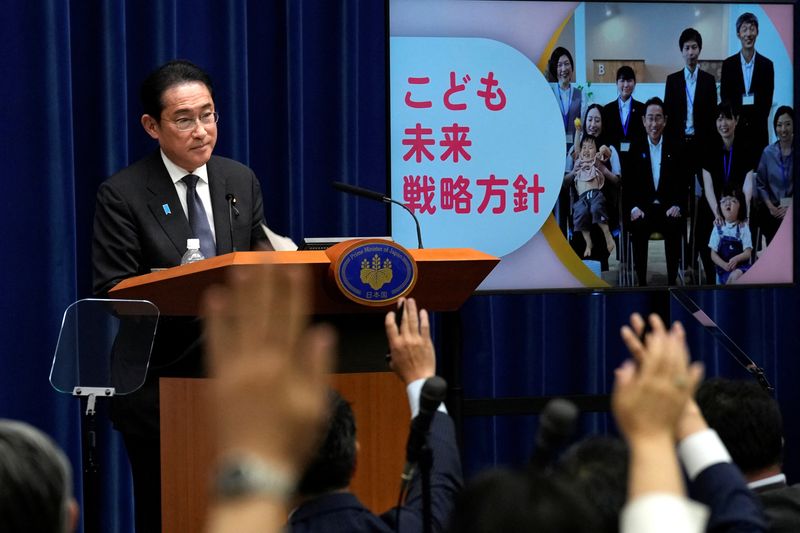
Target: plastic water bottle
192, 252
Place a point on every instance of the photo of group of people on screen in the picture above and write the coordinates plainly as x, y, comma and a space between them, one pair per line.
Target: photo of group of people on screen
694, 167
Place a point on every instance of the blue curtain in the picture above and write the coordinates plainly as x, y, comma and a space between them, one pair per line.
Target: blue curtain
300, 87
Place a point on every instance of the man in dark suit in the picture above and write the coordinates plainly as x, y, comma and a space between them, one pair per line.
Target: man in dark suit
748, 83
749, 422
325, 504
622, 118
690, 100
143, 217
653, 193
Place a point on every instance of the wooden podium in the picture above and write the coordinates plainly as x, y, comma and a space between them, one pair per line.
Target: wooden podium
445, 279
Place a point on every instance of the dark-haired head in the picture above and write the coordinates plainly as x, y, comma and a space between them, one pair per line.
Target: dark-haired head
726, 109
518, 502
626, 72
35, 482
654, 101
746, 18
690, 34
747, 420
598, 467
730, 191
170, 74
552, 64
589, 139
781, 111
333, 465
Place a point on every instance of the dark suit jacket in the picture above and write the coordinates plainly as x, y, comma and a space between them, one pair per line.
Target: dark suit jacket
341, 512
781, 506
704, 109
612, 125
754, 119
734, 507
133, 233
638, 189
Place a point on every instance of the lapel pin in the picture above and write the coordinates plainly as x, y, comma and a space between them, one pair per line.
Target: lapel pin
166, 209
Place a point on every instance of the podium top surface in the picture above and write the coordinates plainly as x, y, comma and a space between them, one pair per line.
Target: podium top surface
446, 278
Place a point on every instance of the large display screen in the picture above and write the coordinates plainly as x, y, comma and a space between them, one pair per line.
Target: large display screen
521, 129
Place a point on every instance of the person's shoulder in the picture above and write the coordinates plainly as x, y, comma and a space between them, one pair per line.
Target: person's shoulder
230, 167
135, 174
731, 60
675, 77
705, 75
764, 60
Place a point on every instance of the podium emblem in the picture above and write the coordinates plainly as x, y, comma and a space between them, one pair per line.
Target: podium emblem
375, 272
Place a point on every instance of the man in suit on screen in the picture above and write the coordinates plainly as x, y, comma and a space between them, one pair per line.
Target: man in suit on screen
143, 217
653, 197
690, 100
748, 83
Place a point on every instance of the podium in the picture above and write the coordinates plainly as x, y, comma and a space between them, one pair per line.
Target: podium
445, 279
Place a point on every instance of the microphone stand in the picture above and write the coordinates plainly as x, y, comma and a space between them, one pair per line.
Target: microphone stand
425, 466
388, 200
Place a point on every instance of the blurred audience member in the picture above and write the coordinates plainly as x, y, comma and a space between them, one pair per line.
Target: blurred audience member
598, 467
35, 482
270, 395
750, 424
325, 503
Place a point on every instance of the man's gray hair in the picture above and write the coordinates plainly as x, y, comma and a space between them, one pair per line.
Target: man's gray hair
35, 481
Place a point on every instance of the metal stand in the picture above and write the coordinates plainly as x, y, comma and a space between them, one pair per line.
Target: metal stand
425, 466
91, 465
721, 337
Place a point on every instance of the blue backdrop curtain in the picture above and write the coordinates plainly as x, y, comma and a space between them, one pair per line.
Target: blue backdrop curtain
300, 87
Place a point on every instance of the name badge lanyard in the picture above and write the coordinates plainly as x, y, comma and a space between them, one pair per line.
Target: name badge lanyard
727, 161
689, 103
564, 109
626, 121
748, 76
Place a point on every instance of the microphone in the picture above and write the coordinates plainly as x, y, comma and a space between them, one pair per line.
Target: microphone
432, 394
556, 426
232, 210
373, 195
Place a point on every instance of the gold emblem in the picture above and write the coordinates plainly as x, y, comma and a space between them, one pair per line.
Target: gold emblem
375, 275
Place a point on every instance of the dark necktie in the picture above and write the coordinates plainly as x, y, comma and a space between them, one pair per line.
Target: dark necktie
198, 220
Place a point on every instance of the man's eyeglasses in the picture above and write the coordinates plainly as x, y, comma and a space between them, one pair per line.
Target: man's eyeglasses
206, 119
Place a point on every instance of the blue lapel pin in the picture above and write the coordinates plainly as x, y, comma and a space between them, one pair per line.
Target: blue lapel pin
166, 209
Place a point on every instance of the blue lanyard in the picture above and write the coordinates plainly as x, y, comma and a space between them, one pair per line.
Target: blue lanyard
627, 120
564, 112
726, 164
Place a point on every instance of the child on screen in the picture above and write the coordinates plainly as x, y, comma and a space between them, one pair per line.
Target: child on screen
590, 207
730, 242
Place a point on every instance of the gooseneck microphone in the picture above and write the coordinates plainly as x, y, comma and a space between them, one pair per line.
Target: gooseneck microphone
373, 195
232, 210
432, 394
556, 426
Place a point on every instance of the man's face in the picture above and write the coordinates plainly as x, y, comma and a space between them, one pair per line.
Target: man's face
690, 53
654, 122
625, 88
192, 148
747, 35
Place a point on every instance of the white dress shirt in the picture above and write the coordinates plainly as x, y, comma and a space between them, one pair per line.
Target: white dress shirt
203, 190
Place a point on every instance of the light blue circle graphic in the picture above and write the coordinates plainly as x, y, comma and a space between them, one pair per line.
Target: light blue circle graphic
477, 143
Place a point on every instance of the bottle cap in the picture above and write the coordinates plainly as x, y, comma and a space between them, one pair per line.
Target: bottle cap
193, 244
